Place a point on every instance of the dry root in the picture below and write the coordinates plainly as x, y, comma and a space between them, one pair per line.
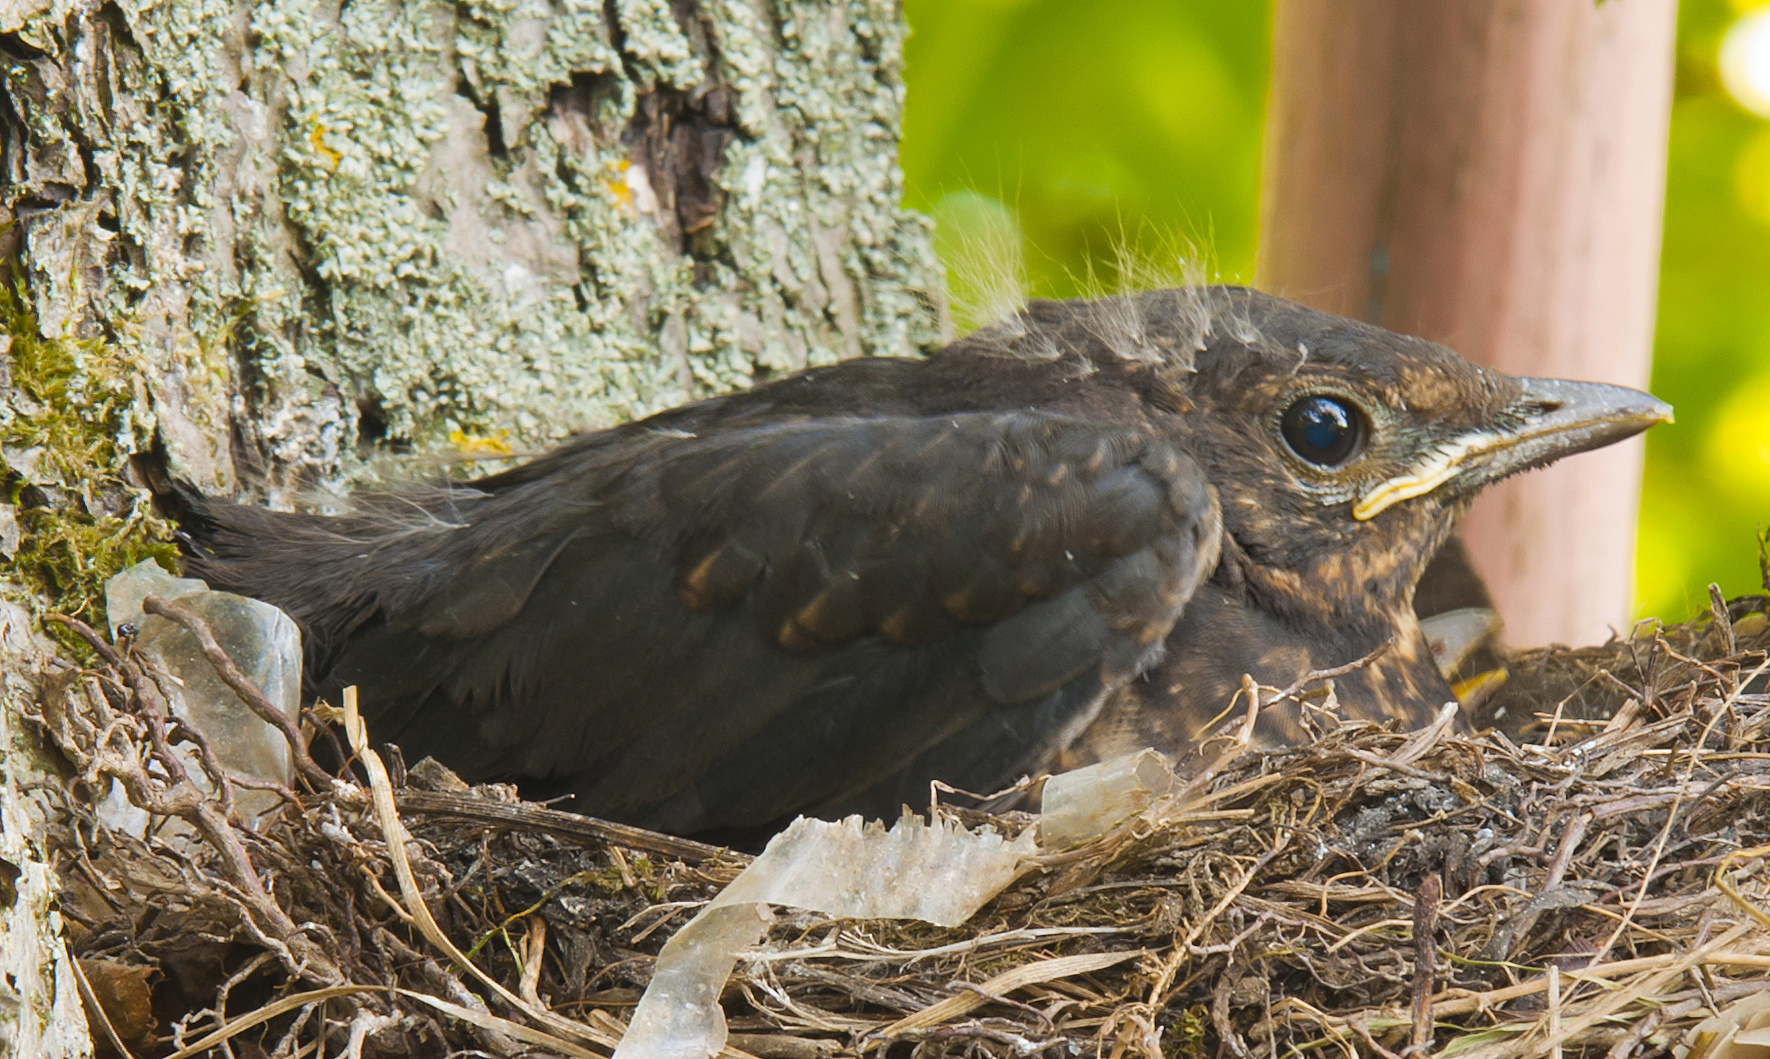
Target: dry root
1586, 881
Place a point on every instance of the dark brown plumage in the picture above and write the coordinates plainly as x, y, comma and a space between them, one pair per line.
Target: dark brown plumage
1065, 536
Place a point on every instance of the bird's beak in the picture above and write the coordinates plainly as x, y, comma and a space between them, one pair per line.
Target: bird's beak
1550, 419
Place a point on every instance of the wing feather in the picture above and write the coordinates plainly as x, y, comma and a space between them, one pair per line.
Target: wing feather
714, 630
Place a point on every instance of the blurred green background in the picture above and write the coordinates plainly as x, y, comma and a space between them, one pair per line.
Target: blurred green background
1059, 130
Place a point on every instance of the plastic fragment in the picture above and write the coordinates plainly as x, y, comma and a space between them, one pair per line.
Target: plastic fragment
935, 871
1082, 805
679, 1016
123, 594
1741, 1030
1454, 635
262, 641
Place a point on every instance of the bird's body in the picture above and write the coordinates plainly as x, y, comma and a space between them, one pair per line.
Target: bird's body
1063, 537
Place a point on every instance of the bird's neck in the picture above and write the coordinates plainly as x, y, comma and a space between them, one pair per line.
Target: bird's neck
1221, 639
1332, 609
1355, 592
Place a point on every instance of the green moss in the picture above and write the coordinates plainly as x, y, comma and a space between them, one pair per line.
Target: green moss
1185, 1035
66, 427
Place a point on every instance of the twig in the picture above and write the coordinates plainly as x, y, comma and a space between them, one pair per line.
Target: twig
1462, 1001
242, 686
1554, 978
182, 799
1726, 885
1615, 1001
95, 1010
395, 835
525, 817
263, 1015
1425, 927
1664, 833
91, 636
1006, 982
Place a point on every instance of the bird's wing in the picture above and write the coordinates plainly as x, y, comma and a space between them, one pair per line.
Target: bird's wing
715, 631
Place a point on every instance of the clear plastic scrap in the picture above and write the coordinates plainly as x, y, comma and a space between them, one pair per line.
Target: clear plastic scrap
934, 871
262, 641
1082, 805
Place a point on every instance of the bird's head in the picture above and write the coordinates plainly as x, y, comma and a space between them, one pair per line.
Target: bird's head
1343, 454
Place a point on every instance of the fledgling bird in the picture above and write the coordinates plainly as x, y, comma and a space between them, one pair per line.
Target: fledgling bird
1062, 537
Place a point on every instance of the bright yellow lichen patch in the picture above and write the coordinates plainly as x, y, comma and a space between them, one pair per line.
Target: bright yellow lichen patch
478, 446
617, 183
317, 137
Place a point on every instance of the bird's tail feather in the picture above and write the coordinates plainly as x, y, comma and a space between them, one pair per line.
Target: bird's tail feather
330, 574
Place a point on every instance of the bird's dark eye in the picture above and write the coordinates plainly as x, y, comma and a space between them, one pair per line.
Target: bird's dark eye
1322, 430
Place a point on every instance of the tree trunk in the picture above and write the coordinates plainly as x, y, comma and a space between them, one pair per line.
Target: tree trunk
40, 1012
1489, 174
285, 239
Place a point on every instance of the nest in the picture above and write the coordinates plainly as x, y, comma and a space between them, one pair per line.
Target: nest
1584, 878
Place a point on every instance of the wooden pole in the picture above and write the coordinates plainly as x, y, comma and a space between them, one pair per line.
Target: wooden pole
1489, 174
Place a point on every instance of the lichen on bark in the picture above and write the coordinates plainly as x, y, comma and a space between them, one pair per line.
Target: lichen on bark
319, 226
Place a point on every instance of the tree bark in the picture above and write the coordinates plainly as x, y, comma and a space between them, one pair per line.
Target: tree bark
1489, 174
40, 1012
314, 233
319, 226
